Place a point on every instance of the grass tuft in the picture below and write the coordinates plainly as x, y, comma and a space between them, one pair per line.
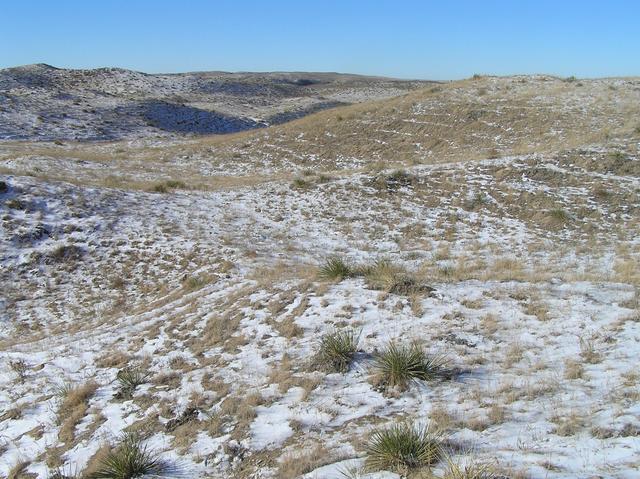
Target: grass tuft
384, 275
300, 183
337, 350
166, 186
18, 470
470, 470
73, 407
128, 460
398, 365
403, 448
59, 473
559, 215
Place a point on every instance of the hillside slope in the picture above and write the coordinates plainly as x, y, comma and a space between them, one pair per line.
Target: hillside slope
472, 119
40, 102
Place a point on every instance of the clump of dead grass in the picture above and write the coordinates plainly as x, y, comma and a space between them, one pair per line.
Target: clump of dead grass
469, 469
74, 405
167, 186
294, 465
382, 274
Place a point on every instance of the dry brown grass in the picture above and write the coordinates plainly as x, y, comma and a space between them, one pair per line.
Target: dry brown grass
19, 471
13, 413
443, 418
113, 359
95, 462
496, 414
573, 369
535, 307
73, 408
293, 465
567, 424
589, 351
282, 374
514, 354
237, 411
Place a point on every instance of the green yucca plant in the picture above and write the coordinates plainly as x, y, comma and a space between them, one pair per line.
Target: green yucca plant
402, 448
128, 460
335, 268
398, 365
129, 379
337, 350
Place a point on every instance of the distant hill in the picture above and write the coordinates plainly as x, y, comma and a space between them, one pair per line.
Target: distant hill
41, 102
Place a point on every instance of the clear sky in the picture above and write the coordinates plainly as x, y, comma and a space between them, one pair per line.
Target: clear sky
409, 39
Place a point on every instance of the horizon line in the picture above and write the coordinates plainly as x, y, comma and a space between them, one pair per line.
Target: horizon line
326, 72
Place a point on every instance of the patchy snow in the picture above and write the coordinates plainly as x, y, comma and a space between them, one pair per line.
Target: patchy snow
532, 260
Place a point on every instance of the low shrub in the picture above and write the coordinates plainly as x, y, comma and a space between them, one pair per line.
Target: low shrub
300, 183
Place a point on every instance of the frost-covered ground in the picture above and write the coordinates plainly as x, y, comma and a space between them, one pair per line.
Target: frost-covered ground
213, 294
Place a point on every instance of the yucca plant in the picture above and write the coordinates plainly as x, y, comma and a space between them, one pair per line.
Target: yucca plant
335, 268
337, 350
129, 379
398, 365
402, 448
129, 459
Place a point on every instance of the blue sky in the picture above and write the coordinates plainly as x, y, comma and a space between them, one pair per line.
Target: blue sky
410, 39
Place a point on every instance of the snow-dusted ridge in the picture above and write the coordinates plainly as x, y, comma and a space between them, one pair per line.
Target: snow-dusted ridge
40, 102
